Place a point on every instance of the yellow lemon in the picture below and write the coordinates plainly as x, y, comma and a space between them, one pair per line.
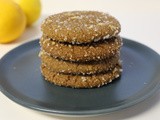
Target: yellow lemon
12, 21
31, 8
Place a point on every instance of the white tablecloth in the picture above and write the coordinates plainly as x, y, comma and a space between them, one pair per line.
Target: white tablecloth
140, 20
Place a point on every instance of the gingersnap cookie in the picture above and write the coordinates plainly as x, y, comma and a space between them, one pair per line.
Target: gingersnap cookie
88, 68
78, 27
94, 51
80, 81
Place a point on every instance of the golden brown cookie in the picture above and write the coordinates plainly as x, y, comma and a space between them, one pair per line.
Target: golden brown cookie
94, 51
80, 81
67, 67
78, 27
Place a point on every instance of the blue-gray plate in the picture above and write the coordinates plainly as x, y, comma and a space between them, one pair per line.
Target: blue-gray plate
22, 82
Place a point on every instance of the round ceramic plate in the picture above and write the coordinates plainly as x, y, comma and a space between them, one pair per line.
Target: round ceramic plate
22, 82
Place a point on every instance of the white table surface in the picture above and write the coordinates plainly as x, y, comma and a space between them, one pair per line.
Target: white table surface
140, 20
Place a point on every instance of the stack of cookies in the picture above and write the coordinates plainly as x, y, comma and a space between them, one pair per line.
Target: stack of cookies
80, 49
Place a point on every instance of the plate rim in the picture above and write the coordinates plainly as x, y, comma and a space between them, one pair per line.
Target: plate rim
76, 113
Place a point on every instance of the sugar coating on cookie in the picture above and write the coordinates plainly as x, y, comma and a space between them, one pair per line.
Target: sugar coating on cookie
90, 52
80, 49
80, 81
78, 27
77, 68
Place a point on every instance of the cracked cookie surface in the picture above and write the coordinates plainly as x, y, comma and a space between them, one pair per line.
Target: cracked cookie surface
81, 81
79, 27
89, 52
88, 68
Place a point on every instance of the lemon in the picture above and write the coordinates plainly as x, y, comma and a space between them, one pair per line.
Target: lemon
12, 21
31, 8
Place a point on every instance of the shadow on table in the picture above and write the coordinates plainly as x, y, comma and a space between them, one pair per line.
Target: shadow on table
135, 110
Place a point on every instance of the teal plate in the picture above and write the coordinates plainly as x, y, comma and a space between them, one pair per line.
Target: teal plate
22, 82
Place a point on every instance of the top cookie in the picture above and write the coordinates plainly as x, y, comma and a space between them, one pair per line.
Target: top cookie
79, 27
